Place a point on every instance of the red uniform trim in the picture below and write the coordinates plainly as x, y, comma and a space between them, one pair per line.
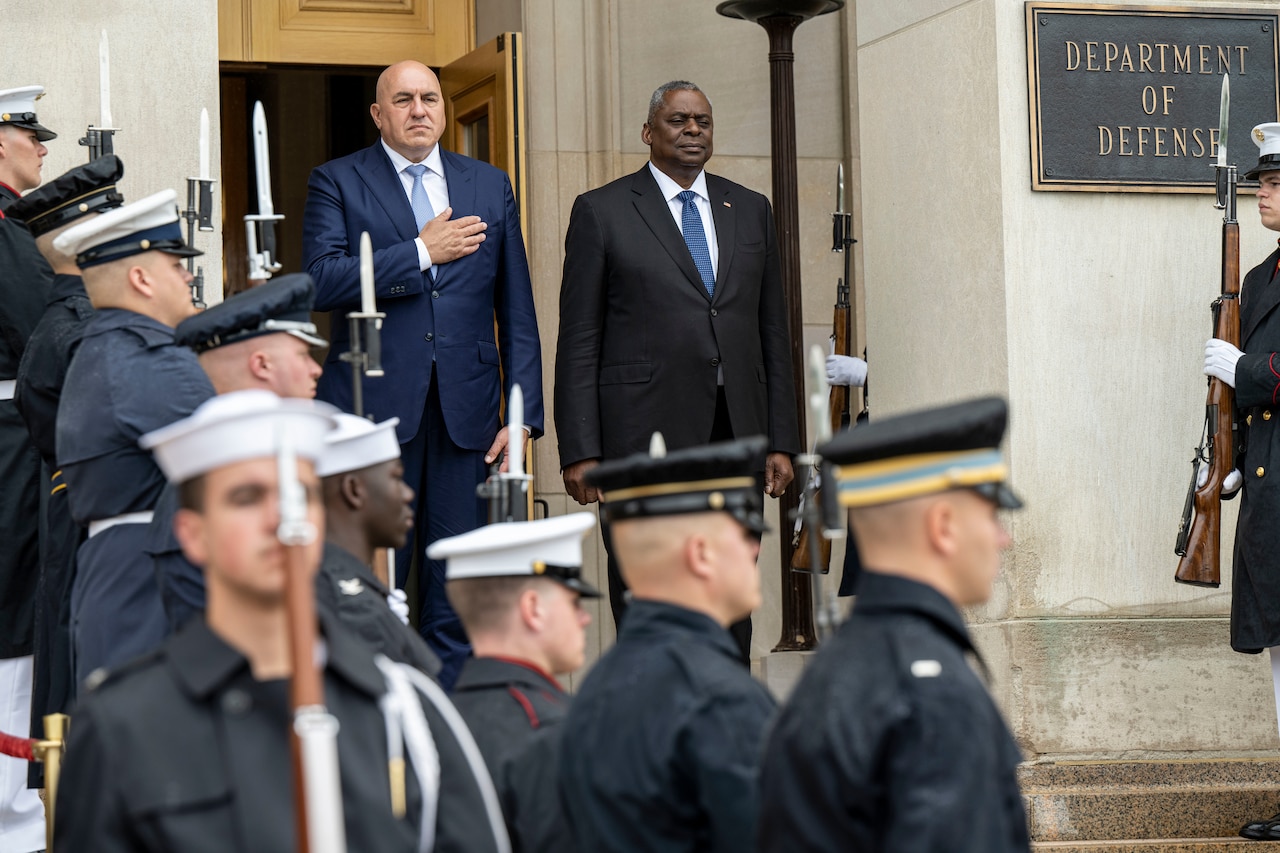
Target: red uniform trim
526, 704
10, 189
1275, 392
17, 747
539, 670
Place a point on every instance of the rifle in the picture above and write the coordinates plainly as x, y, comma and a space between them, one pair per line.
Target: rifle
317, 786
98, 138
199, 210
1200, 534
802, 558
260, 230
508, 494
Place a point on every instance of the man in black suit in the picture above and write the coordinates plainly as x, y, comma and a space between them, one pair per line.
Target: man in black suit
671, 314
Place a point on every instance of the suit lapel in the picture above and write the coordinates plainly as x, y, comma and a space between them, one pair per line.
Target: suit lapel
725, 218
460, 177
655, 212
380, 177
1260, 298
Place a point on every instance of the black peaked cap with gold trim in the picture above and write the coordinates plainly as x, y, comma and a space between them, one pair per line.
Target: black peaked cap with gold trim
924, 452
282, 304
86, 189
714, 477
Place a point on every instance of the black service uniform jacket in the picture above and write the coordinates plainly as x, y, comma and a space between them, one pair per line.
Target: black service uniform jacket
183, 750
514, 711
1255, 582
640, 341
25, 278
662, 743
891, 742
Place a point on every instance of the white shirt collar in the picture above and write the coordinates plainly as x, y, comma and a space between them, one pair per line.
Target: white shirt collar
433, 162
670, 188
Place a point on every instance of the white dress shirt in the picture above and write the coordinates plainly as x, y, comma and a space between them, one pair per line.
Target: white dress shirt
670, 190
432, 181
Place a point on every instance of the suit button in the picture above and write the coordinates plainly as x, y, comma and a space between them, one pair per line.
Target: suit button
430, 337
715, 362
1266, 415
435, 294
1260, 471
236, 701
714, 313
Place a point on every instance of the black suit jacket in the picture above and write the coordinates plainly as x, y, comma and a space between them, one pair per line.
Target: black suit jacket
641, 342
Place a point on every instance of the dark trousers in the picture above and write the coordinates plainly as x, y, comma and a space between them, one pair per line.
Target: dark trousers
721, 430
443, 477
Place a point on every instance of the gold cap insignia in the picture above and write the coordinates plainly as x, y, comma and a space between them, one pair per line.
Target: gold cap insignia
715, 500
1259, 135
146, 244
4, 117
83, 207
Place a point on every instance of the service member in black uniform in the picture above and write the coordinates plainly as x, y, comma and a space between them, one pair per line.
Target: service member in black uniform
891, 741
48, 211
126, 378
668, 725
24, 286
1251, 371
367, 506
188, 748
261, 338
518, 590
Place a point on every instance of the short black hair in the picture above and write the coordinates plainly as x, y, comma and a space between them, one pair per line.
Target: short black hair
660, 93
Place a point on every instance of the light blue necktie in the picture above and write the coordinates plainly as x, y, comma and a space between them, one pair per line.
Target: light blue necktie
421, 204
696, 239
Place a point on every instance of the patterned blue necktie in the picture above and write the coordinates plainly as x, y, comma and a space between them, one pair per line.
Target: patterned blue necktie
696, 239
422, 210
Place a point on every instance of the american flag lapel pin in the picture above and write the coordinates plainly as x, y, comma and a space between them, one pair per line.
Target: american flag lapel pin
726, 204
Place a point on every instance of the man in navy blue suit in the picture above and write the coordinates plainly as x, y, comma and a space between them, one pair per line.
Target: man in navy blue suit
450, 266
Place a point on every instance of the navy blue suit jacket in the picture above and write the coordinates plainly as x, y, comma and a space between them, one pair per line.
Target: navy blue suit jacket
450, 320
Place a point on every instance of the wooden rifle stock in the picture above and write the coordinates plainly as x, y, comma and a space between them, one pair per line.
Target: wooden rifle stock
1200, 554
841, 333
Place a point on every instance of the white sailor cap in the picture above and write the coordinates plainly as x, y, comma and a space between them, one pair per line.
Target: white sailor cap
356, 444
143, 226
1267, 138
548, 547
236, 427
18, 107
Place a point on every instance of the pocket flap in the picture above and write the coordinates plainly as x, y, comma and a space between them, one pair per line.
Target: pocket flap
488, 353
618, 374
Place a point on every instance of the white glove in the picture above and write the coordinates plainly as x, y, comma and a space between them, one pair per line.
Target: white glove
1220, 360
1230, 484
846, 370
399, 604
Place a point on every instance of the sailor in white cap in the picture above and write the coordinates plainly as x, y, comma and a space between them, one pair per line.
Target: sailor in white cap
261, 338
1251, 370
126, 378
518, 589
188, 748
368, 507
25, 279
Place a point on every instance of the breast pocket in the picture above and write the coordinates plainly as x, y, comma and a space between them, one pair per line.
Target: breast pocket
197, 820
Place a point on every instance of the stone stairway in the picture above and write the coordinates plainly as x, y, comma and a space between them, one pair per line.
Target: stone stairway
1196, 806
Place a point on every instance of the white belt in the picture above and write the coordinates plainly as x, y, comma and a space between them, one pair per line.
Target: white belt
7, 388
96, 527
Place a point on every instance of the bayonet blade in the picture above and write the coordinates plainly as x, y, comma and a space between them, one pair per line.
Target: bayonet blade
1224, 112
262, 160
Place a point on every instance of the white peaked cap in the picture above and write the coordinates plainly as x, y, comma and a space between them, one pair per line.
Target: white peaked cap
237, 427
550, 547
358, 443
144, 225
20, 100
1267, 138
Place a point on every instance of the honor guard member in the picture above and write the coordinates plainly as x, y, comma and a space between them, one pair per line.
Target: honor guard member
1250, 370
24, 287
668, 726
260, 338
126, 378
84, 191
518, 589
367, 506
891, 740
188, 748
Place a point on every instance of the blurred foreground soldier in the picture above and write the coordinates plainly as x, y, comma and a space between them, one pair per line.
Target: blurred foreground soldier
1249, 369
24, 286
891, 742
367, 507
668, 726
188, 748
518, 589
261, 338
126, 379
47, 212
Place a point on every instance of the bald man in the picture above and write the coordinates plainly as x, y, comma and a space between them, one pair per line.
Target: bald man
449, 260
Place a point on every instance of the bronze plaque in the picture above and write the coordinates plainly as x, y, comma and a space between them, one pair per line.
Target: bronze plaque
1125, 98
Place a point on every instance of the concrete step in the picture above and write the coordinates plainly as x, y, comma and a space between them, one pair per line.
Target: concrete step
1156, 845
1140, 805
